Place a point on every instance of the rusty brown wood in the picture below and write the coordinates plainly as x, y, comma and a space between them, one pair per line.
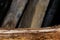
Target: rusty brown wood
14, 13
30, 34
34, 14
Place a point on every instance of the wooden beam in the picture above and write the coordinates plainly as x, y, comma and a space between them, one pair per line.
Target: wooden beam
14, 13
28, 14
39, 13
34, 14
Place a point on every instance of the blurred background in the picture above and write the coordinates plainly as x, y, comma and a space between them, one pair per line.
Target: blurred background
29, 13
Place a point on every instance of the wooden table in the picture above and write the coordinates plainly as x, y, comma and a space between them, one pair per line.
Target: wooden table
30, 34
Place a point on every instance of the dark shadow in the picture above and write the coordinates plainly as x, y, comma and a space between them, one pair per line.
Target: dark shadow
4, 7
52, 16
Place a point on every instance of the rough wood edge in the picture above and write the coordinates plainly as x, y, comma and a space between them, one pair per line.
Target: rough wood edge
28, 14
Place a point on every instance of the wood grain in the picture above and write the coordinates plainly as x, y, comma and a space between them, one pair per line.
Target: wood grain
34, 14
14, 13
30, 34
28, 14
39, 13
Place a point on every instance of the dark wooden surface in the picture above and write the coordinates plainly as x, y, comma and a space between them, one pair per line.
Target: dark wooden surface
14, 13
33, 13
28, 14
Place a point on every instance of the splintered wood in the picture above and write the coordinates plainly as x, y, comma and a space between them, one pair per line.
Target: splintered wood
30, 34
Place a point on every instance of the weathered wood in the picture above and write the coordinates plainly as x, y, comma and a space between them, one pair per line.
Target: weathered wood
14, 14
34, 13
39, 13
28, 14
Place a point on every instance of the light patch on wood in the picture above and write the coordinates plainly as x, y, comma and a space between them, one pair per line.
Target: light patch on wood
28, 14
39, 13
28, 31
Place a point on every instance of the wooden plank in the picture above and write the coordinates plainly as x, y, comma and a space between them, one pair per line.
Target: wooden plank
14, 13
39, 13
27, 31
28, 14
34, 13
